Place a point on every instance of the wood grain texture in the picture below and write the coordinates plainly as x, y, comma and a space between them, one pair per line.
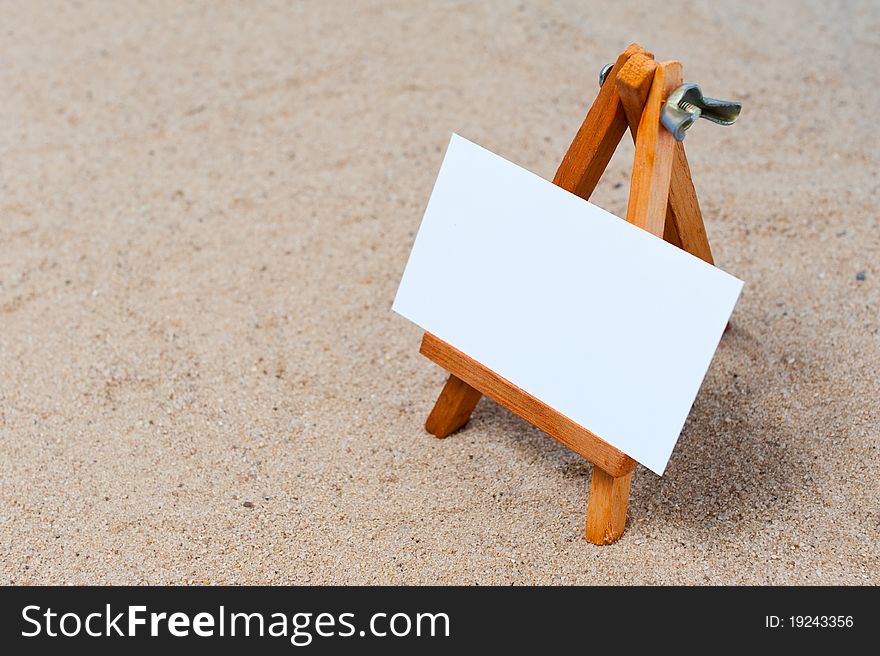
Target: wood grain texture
655, 149
684, 209
606, 506
571, 434
633, 85
453, 407
596, 140
670, 231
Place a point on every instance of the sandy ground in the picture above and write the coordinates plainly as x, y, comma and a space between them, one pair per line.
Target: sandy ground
205, 214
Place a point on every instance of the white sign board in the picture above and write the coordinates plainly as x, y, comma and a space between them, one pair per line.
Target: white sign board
602, 321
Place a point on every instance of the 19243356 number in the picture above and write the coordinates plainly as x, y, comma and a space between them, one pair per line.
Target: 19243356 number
809, 621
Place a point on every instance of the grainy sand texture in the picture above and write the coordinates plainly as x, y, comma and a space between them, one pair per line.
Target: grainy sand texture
205, 212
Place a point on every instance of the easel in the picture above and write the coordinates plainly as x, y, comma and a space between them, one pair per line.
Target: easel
662, 200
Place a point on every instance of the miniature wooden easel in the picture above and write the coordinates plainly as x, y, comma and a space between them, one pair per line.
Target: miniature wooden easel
662, 200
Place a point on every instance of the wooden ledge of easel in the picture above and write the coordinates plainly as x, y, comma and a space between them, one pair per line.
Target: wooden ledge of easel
465, 369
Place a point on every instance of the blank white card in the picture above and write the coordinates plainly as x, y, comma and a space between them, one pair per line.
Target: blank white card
605, 323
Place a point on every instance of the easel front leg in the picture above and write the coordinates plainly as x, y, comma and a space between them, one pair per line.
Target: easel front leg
606, 506
655, 151
453, 407
595, 142
684, 222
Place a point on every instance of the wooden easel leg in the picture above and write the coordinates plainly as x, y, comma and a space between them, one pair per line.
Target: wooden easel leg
596, 140
606, 506
655, 151
453, 407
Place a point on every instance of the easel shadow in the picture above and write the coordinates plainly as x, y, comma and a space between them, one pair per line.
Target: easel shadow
734, 461
736, 458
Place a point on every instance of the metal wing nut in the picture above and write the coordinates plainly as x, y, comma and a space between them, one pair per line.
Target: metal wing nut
687, 103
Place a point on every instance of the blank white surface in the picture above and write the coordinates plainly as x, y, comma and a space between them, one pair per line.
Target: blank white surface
602, 321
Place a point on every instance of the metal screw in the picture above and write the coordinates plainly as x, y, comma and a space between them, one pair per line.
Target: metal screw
606, 69
687, 103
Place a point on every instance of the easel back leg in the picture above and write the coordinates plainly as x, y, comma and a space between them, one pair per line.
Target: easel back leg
685, 209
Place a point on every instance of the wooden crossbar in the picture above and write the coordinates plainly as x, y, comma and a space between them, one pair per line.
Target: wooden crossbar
556, 425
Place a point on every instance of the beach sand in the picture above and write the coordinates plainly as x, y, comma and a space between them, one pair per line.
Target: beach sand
206, 209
